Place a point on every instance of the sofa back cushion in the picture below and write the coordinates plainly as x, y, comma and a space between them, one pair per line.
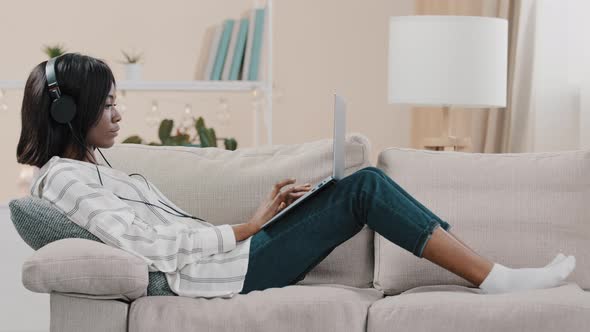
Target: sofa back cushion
517, 209
226, 187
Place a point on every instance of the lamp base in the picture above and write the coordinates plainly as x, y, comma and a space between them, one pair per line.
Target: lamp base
448, 143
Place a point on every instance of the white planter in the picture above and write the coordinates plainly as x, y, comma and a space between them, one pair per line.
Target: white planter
133, 71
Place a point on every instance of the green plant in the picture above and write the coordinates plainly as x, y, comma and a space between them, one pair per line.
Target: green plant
54, 50
207, 137
131, 57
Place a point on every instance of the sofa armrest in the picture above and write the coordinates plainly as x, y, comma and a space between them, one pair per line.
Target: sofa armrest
87, 268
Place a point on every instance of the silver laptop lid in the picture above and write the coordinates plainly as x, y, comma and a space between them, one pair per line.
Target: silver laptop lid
339, 133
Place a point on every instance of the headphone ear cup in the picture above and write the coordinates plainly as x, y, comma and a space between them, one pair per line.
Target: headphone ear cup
63, 109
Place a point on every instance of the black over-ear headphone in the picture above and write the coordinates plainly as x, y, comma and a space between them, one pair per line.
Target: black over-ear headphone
63, 107
63, 111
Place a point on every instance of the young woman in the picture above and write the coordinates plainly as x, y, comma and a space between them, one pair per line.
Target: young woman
201, 259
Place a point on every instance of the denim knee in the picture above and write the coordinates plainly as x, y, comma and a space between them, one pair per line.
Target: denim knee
367, 173
373, 169
371, 172
445, 225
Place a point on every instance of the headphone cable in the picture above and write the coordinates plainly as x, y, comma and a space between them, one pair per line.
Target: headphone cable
180, 214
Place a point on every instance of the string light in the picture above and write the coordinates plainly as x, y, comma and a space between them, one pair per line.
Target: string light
188, 120
223, 111
3, 105
154, 115
153, 118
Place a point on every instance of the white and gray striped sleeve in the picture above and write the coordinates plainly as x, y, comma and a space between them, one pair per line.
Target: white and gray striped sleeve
169, 247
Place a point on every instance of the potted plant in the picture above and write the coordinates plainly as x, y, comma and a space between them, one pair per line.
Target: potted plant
207, 137
132, 65
54, 50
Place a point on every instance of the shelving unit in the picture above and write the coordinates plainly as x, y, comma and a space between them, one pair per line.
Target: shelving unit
265, 86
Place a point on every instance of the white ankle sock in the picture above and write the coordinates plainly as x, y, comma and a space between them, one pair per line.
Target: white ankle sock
557, 259
502, 279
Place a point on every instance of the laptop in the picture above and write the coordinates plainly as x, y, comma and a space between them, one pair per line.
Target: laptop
337, 162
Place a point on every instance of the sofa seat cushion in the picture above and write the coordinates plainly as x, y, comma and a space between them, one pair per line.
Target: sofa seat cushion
459, 308
325, 307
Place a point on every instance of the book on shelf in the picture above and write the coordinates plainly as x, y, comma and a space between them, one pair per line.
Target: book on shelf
208, 50
240, 47
222, 48
236, 49
262, 67
250, 70
230, 51
248, 50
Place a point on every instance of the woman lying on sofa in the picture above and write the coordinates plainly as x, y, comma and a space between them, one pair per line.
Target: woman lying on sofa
69, 111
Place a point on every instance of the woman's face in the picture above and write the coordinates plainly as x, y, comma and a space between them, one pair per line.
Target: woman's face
102, 135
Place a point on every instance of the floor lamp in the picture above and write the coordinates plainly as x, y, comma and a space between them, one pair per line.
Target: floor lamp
448, 61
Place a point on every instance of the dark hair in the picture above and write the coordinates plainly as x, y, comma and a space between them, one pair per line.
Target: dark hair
86, 79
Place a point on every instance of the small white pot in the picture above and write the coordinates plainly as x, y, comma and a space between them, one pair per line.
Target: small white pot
133, 71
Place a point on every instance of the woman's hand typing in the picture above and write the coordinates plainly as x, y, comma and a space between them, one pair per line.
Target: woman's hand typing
276, 201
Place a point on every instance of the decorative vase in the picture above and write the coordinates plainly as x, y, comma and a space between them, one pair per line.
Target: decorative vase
133, 71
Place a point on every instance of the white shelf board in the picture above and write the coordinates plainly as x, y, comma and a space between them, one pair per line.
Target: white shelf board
168, 85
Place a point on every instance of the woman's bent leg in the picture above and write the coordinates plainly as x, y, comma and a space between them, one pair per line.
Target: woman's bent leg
446, 226
283, 253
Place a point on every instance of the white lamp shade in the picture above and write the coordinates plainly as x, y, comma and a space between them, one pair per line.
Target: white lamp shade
448, 60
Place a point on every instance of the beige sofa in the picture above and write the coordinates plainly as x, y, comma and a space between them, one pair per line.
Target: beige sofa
517, 209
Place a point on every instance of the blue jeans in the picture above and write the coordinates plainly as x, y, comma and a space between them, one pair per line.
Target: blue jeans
283, 253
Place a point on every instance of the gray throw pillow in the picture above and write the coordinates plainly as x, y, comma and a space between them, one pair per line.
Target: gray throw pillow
39, 223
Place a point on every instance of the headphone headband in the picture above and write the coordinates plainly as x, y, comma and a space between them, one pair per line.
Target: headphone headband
51, 78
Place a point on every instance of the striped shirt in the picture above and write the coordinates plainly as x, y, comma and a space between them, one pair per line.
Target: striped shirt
199, 258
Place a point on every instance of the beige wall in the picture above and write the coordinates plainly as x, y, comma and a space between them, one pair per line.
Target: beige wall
319, 47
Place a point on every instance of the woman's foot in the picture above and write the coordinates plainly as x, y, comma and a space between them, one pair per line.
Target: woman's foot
502, 279
557, 259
